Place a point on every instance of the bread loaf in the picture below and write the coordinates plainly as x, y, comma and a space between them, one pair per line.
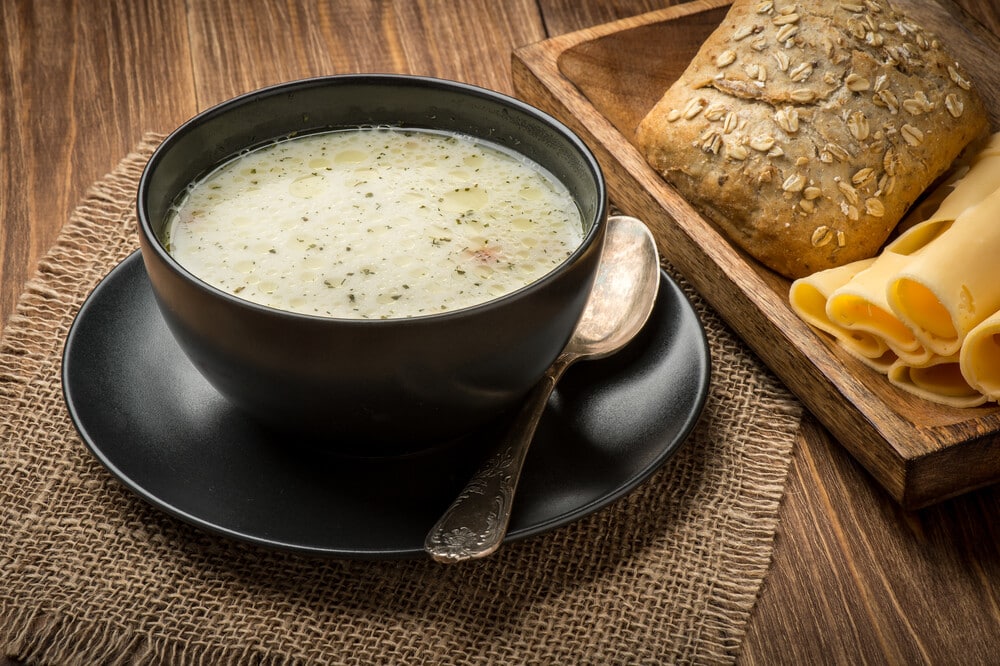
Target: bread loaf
804, 129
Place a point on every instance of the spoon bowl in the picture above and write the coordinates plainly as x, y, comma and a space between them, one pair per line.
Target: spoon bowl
622, 298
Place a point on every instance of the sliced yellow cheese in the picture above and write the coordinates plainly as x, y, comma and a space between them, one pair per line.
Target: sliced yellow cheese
918, 237
808, 298
880, 364
985, 180
916, 312
952, 284
980, 357
939, 380
981, 180
860, 305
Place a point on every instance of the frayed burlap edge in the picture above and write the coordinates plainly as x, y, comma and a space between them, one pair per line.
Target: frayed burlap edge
34, 334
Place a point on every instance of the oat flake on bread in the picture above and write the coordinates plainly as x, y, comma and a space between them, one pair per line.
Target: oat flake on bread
804, 129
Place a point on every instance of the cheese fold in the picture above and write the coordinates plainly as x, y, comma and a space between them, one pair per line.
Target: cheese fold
981, 179
939, 380
980, 357
952, 284
860, 305
808, 299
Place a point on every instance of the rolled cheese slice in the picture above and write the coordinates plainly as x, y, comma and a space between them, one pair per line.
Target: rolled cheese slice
979, 359
860, 305
952, 285
808, 299
939, 380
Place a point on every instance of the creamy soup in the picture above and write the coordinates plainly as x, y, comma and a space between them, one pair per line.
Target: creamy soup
374, 223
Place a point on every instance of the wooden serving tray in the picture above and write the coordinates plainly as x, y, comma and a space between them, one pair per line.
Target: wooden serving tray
602, 81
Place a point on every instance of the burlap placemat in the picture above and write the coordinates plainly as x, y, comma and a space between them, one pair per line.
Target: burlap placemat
90, 574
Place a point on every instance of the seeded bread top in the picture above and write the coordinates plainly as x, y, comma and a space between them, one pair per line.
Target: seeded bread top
806, 128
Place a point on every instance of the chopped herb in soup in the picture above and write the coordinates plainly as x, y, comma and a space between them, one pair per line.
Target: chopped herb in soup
374, 223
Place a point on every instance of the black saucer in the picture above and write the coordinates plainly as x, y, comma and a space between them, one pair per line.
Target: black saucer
150, 418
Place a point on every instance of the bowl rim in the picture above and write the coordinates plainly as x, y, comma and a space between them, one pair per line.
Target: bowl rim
153, 244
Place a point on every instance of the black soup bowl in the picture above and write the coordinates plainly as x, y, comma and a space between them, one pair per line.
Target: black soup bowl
361, 385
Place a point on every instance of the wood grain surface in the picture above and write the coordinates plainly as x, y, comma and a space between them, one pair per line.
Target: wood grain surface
855, 579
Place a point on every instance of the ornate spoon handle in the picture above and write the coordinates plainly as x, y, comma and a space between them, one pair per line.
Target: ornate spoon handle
475, 524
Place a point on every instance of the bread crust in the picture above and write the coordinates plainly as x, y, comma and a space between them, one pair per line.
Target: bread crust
805, 129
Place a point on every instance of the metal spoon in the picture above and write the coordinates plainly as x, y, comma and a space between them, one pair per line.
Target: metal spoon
625, 287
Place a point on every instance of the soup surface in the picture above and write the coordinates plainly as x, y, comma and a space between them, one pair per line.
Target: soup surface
374, 223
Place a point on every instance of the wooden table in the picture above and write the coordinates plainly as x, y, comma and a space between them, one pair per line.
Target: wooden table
854, 578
